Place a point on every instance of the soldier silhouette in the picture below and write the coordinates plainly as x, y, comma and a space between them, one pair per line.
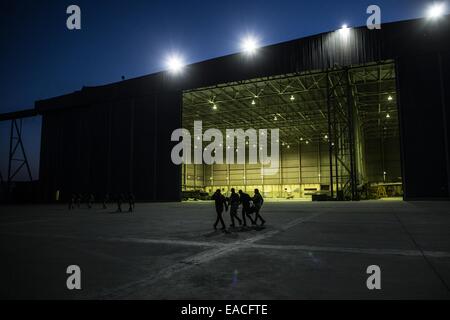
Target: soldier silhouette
233, 201
220, 203
90, 200
258, 202
72, 201
131, 200
105, 200
78, 200
246, 208
119, 202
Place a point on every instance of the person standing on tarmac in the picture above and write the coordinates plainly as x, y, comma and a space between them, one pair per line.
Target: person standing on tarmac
131, 201
90, 200
72, 202
233, 201
106, 201
220, 203
258, 202
119, 202
78, 200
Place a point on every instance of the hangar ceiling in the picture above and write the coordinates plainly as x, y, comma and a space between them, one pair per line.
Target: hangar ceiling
298, 104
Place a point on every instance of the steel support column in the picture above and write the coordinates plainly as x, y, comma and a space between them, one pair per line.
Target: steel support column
15, 142
351, 135
330, 135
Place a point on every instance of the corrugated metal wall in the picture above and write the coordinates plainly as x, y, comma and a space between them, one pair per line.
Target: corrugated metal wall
423, 86
112, 147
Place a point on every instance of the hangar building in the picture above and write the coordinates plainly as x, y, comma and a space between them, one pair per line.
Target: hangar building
358, 110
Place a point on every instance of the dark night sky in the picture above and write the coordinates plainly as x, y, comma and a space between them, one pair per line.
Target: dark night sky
41, 58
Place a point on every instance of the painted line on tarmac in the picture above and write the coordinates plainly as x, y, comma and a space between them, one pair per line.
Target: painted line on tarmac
398, 252
27, 221
249, 243
164, 241
128, 289
117, 239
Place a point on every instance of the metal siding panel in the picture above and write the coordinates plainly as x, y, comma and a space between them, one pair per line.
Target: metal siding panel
424, 166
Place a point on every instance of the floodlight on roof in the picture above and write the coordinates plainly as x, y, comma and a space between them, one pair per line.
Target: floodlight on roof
436, 10
175, 63
344, 31
249, 45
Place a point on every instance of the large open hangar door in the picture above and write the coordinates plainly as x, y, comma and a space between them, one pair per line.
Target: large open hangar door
339, 133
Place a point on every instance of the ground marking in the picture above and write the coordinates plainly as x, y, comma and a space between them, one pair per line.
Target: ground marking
203, 257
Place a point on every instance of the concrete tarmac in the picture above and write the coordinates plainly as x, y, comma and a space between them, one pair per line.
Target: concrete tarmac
307, 250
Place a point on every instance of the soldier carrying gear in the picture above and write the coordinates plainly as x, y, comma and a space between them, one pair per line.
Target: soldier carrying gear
258, 202
233, 201
246, 208
131, 200
220, 203
105, 201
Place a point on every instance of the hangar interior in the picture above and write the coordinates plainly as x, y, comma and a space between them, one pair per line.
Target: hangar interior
339, 133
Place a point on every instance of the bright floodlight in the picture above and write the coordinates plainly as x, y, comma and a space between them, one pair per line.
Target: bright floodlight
436, 10
250, 45
175, 64
345, 30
